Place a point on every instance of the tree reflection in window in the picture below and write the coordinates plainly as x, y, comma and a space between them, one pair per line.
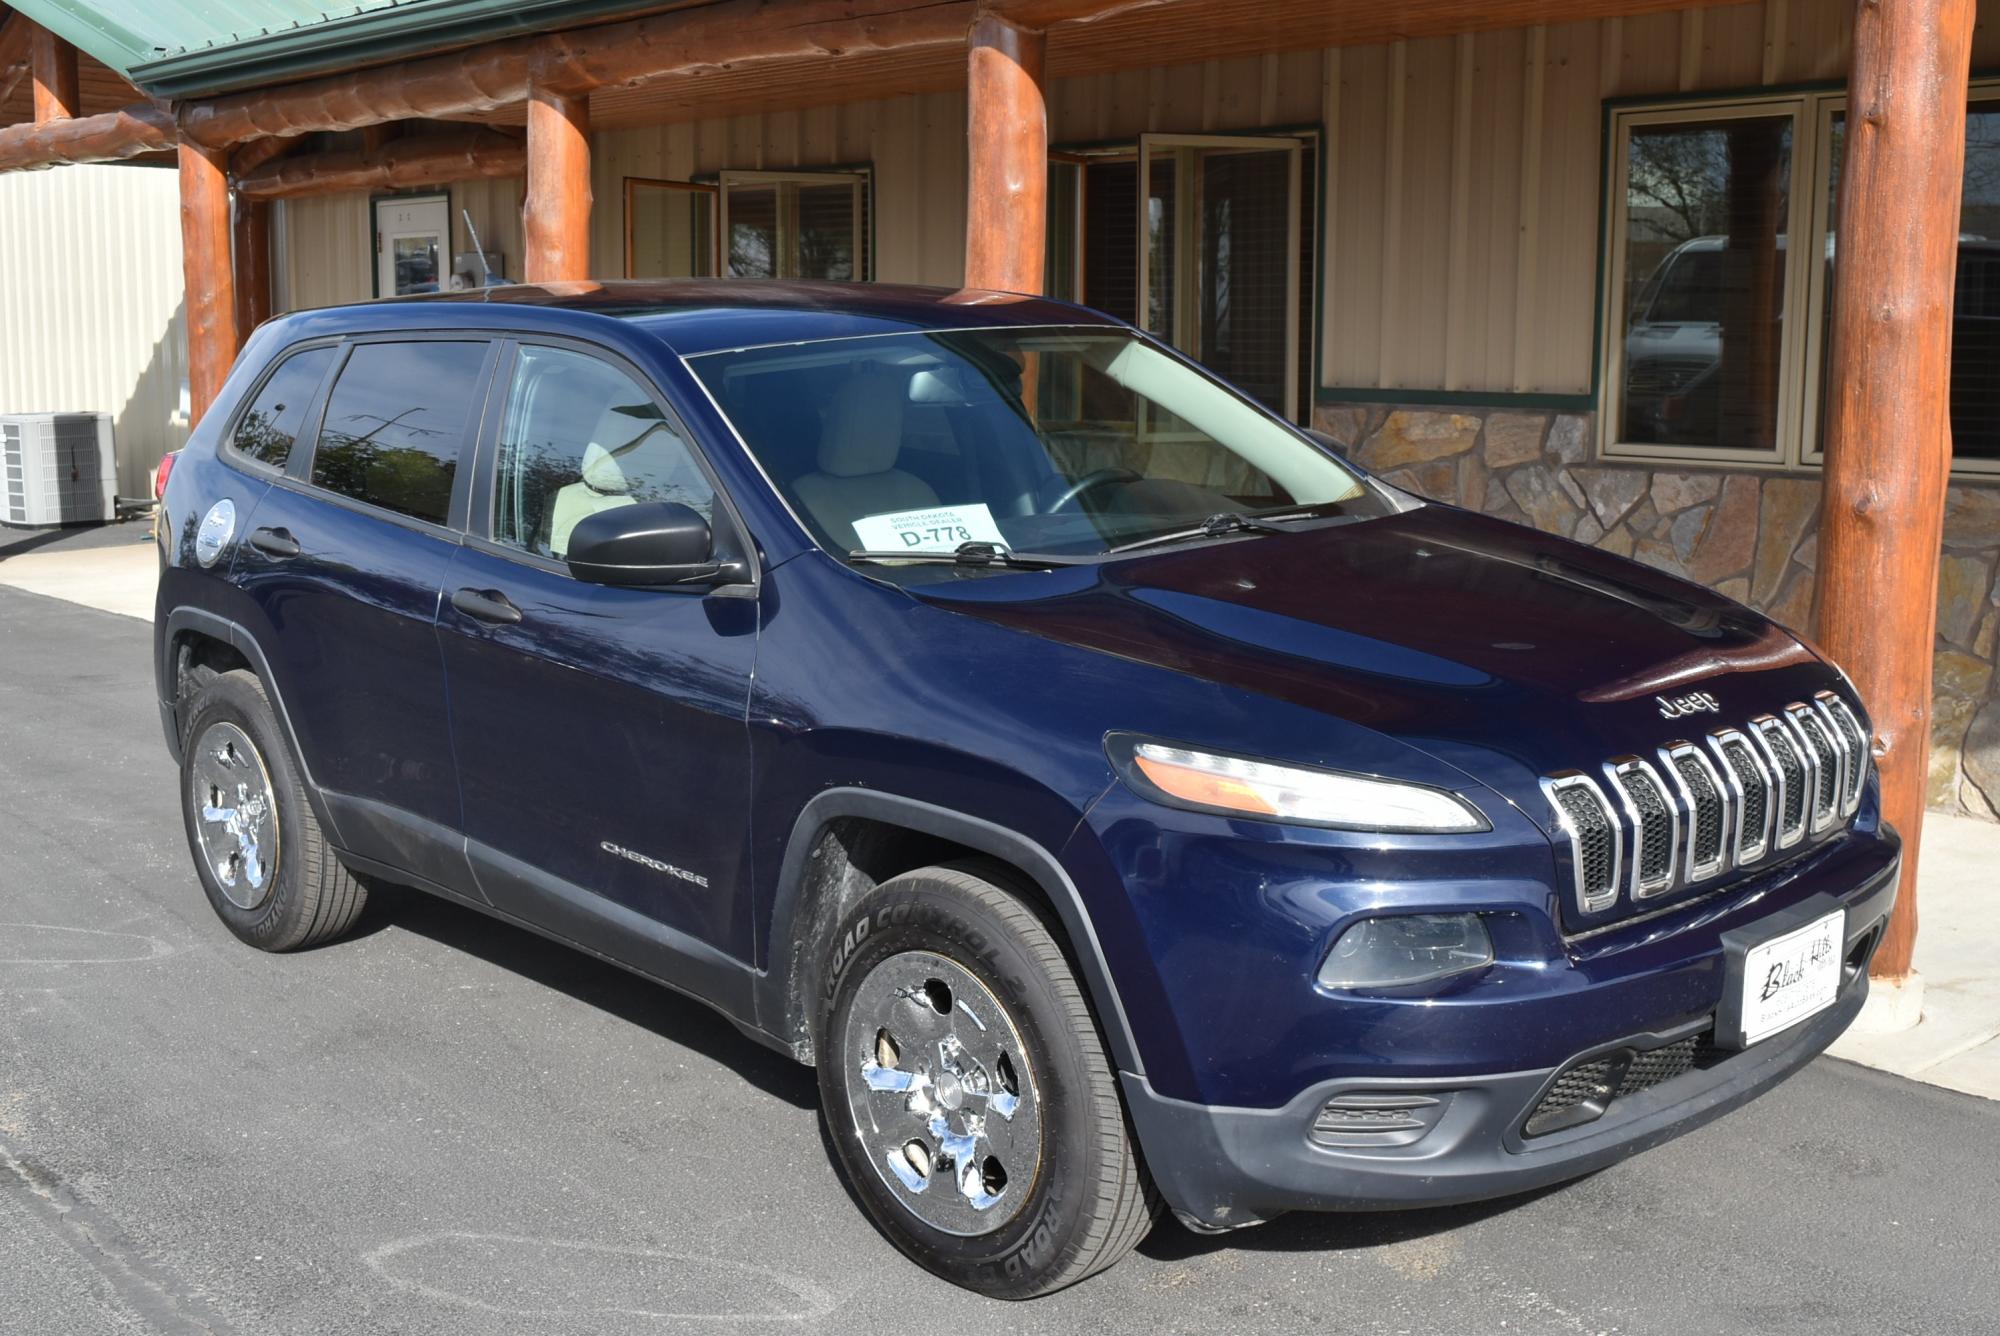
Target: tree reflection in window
395, 424
270, 426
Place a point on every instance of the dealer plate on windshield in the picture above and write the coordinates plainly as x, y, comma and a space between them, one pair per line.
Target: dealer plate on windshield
1791, 977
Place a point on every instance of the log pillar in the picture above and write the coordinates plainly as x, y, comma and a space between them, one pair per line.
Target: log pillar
555, 219
1007, 133
252, 251
1888, 435
52, 68
205, 267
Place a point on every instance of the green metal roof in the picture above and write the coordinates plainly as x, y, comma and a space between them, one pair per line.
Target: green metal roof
188, 48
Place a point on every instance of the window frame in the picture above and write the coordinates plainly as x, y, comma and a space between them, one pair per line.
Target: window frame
633, 184
1799, 213
307, 439
1811, 213
725, 520
298, 473
860, 178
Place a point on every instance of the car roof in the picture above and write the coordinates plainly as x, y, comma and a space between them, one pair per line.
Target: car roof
694, 316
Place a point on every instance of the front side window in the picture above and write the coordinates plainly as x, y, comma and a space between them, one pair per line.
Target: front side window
271, 424
1067, 442
395, 424
579, 437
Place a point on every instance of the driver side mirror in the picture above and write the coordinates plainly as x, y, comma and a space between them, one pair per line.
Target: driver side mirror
649, 544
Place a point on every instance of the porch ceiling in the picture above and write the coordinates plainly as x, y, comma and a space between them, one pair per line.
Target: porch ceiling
1166, 32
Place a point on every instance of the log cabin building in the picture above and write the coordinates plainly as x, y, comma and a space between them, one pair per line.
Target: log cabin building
1706, 284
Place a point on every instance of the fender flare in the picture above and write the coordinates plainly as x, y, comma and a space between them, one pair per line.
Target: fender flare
238, 638
776, 1010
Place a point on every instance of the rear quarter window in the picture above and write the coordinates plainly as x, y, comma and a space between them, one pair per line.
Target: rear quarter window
270, 426
395, 425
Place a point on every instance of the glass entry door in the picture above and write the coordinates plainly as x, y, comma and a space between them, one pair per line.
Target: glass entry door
412, 245
1218, 255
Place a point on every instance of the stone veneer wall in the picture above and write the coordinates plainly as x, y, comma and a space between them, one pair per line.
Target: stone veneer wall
1750, 535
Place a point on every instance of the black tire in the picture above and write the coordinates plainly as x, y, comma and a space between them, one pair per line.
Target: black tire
1090, 1201
308, 898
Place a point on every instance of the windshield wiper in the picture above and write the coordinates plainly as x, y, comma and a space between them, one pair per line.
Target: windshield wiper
973, 554
1229, 521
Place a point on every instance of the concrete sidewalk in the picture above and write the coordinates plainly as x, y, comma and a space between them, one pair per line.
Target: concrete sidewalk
114, 567
1956, 1043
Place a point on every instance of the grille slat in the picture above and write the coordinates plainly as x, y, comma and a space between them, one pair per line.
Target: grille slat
1753, 793
1824, 759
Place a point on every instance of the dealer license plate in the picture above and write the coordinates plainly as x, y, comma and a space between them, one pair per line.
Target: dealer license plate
1792, 977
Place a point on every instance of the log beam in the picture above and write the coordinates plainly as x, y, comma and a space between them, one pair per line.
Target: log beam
722, 36
555, 217
420, 160
1888, 437
110, 137
256, 153
251, 251
1007, 131
205, 268
53, 62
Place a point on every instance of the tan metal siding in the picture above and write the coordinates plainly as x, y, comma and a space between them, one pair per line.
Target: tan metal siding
328, 241
92, 321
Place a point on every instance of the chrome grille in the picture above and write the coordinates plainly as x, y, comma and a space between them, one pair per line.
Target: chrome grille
1655, 823
1746, 774
1826, 762
1708, 816
1736, 796
1847, 731
1595, 841
1789, 767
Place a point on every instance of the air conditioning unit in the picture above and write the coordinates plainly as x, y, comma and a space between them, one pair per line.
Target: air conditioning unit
57, 468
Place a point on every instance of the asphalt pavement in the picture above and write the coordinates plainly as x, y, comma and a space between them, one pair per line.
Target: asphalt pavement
448, 1126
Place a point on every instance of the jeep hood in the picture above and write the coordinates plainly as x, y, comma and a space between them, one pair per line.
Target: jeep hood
1499, 650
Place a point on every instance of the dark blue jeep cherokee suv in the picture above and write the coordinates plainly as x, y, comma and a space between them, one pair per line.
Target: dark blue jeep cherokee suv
1120, 799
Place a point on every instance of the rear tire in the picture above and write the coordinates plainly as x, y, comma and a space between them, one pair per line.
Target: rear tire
967, 1093
263, 862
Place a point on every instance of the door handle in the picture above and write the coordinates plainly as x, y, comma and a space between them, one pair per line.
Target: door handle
486, 605
275, 543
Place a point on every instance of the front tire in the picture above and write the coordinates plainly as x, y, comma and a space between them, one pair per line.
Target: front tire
967, 1092
266, 867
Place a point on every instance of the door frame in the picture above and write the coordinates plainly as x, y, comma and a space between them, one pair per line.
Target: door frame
375, 203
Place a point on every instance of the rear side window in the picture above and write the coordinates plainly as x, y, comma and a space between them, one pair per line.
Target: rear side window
265, 433
395, 425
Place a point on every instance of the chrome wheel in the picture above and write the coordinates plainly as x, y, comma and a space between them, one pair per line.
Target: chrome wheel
942, 1093
236, 817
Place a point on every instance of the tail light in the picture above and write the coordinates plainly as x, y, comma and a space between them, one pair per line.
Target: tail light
163, 472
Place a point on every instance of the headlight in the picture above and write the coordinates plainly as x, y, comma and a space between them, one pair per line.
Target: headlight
1405, 949
1240, 786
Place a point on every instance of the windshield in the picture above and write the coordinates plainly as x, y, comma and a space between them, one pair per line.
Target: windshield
1065, 442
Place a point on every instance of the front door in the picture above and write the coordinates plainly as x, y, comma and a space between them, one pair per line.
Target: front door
412, 245
600, 732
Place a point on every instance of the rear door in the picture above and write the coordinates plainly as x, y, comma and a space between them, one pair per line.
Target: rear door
344, 558
600, 732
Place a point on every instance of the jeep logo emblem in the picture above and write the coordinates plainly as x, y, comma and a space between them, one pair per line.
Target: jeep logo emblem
1695, 702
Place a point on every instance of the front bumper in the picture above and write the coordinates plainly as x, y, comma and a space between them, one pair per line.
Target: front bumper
1223, 1168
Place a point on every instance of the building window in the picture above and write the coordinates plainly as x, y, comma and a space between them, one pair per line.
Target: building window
796, 225
1716, 325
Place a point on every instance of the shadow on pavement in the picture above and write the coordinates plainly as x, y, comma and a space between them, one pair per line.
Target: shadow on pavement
1313, 1231
635, 1000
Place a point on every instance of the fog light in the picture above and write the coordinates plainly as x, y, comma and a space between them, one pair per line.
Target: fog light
1406, 949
